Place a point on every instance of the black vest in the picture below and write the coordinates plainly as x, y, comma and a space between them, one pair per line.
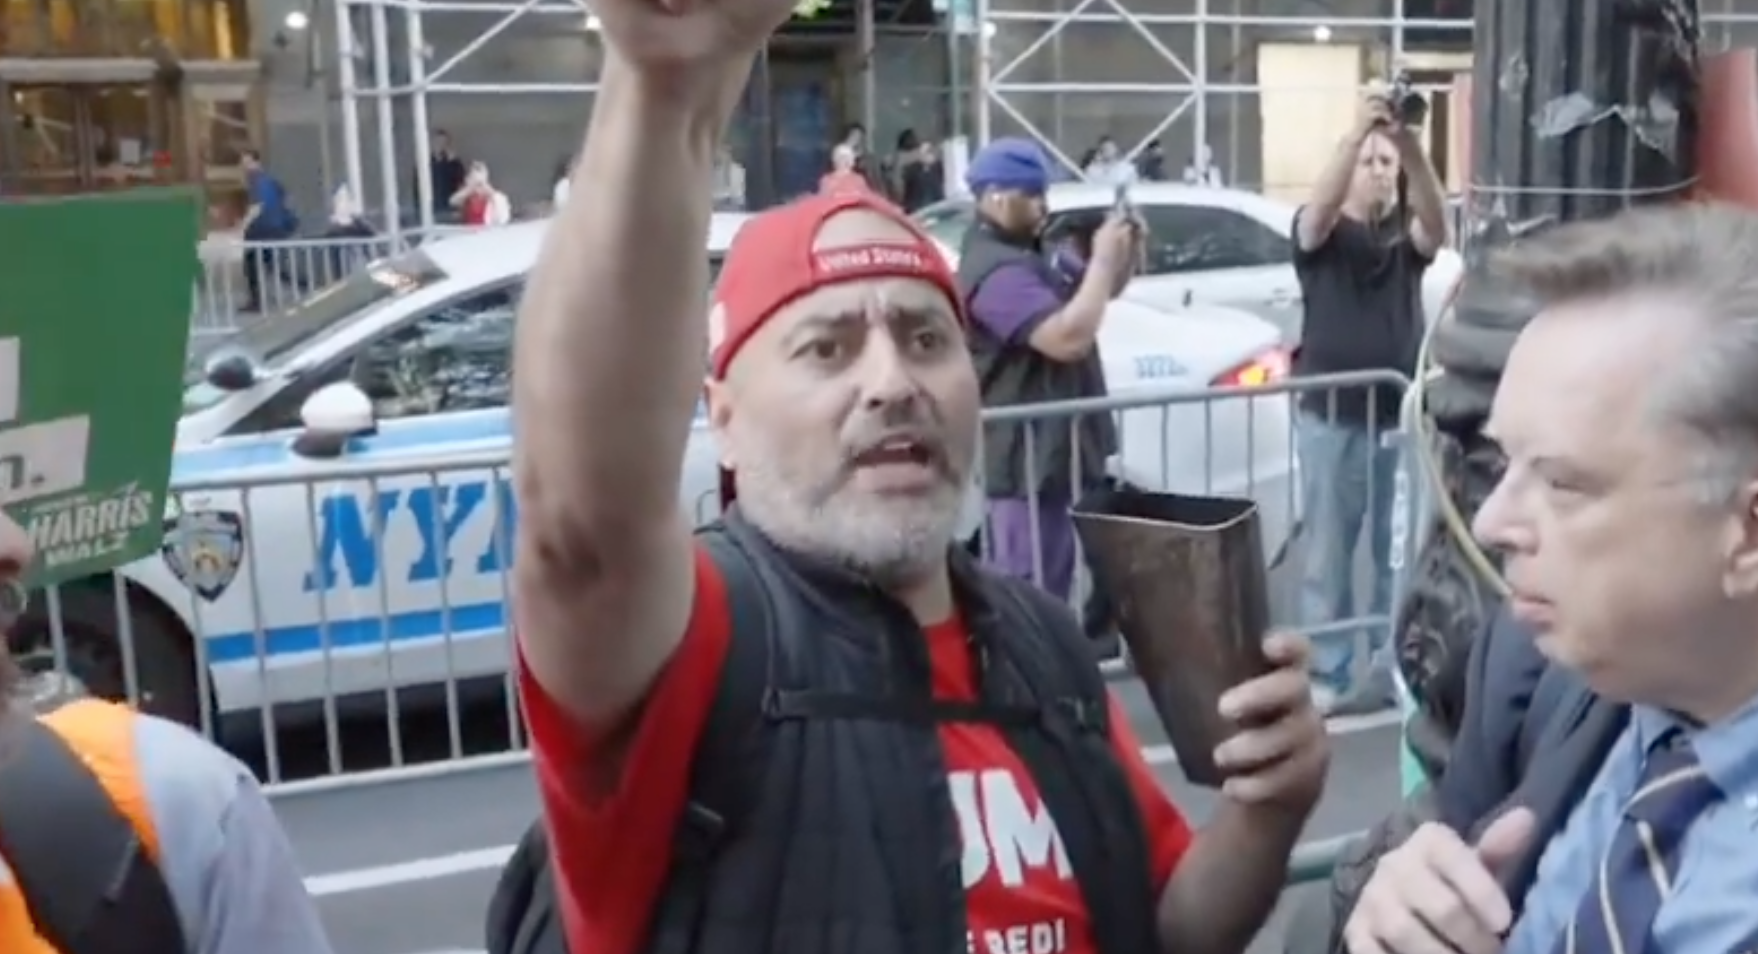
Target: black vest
1017, 374
821, 819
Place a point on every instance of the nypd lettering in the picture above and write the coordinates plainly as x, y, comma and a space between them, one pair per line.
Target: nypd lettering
349, 554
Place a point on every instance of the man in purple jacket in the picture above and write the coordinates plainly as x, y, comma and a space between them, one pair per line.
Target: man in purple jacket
1034, 328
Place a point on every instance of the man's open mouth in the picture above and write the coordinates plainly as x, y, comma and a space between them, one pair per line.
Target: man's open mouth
897, 451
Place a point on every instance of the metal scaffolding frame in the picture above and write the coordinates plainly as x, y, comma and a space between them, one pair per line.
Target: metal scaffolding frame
422, 82
1189, 84
364, 34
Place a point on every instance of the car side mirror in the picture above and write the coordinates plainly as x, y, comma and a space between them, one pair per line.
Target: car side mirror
331, 416
230, 371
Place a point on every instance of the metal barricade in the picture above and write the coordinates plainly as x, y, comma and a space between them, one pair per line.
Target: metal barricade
285, 272
335, 622
1321, 456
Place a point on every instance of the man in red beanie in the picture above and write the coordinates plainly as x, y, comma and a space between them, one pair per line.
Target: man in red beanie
818, 727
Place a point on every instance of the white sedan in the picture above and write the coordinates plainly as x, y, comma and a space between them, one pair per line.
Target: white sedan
1206, 246
300, 567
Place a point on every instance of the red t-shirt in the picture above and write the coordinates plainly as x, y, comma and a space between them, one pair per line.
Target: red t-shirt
475, 211
609, 847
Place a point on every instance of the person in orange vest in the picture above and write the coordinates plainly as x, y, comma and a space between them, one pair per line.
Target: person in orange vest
121, 833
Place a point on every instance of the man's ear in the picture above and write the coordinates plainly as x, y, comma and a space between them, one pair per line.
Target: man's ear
717, 397
1741, 545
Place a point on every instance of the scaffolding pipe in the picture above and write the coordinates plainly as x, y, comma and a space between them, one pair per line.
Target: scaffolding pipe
1397, 62
1200, 133
348, 89
982, 68
387, 130
1227, 19
416, 33
954, 88
865, 42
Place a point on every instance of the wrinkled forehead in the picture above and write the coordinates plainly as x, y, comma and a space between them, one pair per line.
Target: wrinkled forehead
1584, 374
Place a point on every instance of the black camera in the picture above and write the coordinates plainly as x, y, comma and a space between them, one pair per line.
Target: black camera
1407, 106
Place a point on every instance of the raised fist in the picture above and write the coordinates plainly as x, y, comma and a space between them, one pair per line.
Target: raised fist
684, 35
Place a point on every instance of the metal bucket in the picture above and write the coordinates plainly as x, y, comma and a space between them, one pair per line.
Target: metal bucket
1186, 576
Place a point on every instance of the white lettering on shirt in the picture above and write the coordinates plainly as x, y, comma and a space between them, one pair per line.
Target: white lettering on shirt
1042, 937
1001, 832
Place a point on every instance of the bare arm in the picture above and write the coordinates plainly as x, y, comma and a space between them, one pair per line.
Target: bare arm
1227, 884
607, 369
1428, 200
1319, 216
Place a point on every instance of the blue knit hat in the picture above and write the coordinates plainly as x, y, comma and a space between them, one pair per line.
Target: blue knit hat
1009, 163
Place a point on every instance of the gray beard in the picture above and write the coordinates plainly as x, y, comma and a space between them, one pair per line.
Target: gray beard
890, 546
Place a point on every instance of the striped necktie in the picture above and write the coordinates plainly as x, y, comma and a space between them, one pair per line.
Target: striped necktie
1640, 867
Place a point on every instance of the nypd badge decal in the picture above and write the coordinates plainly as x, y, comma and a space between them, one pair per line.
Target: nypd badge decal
204, 548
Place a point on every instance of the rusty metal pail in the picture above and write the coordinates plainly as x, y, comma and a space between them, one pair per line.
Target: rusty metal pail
1187, 579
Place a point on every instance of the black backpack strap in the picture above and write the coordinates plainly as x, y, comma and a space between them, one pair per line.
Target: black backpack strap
729, 759
521, 912
1072, 762
81, 866
781, 705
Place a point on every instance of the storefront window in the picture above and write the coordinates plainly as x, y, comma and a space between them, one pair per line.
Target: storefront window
185, 29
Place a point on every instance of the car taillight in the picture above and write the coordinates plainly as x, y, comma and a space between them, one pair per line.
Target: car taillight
1266, 368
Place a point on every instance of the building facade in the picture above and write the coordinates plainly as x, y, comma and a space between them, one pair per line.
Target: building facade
105, 93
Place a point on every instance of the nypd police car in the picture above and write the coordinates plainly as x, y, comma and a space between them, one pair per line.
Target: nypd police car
342, 514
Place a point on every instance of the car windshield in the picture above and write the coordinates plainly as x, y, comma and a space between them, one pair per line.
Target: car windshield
273, 338
946, 221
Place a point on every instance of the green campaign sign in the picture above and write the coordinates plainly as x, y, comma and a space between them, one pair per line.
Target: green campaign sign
95, 298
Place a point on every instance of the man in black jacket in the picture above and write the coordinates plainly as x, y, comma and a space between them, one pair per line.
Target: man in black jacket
920, 760
1360, 254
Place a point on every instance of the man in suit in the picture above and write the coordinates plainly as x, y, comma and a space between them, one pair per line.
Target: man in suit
1628, 518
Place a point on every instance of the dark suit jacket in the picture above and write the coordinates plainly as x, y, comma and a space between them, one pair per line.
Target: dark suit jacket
1533, 735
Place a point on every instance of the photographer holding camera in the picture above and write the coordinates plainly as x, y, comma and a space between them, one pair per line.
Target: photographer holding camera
1373, 225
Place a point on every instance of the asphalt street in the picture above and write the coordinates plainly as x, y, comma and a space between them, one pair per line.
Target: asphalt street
406, 866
